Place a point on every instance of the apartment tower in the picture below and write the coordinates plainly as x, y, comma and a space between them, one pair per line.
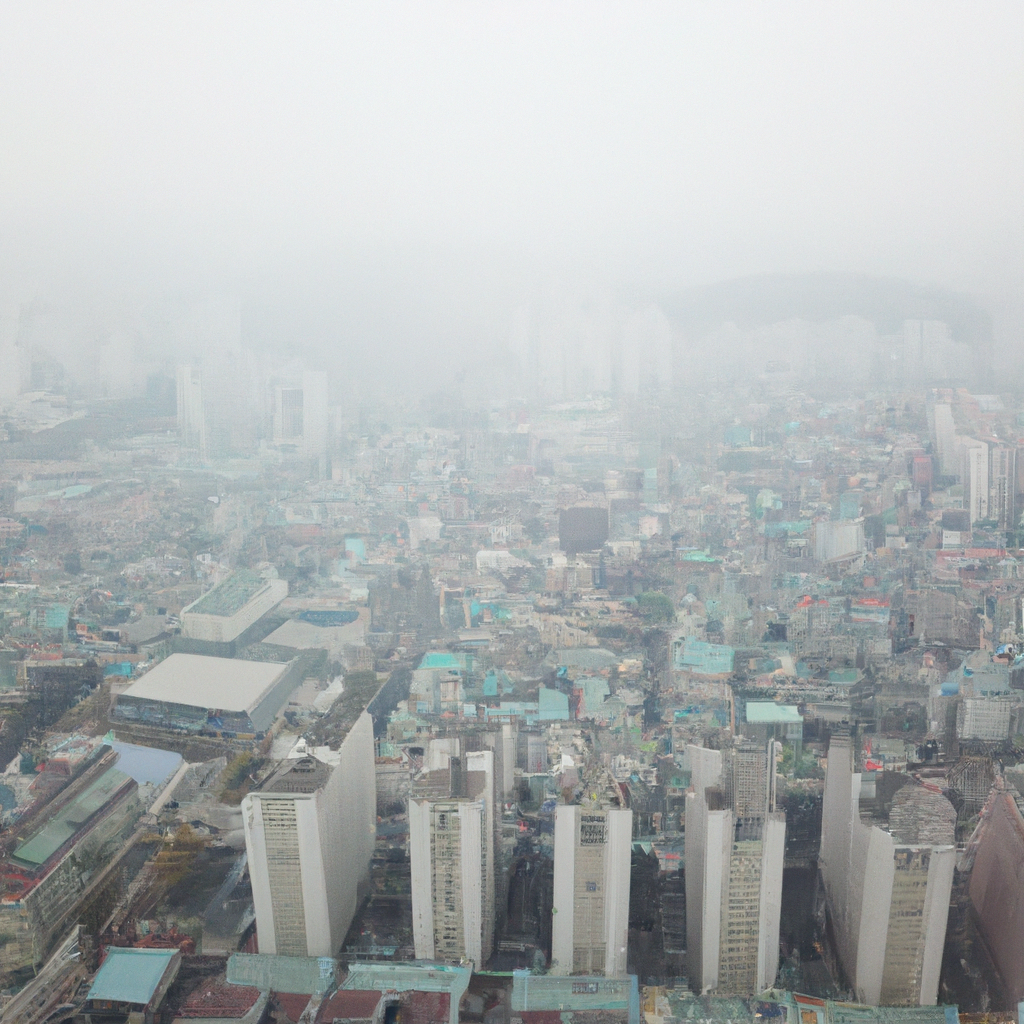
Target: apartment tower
590, 929
735, 849
309, 835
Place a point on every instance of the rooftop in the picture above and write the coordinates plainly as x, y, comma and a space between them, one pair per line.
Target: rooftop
131, 975
69, 820
303, 974
146, 764
204, 682
331, 730
297, 775
229, 596
767, 712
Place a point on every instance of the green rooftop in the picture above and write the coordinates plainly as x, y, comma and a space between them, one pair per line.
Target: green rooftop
131, 975
767, 712
267, 972
228, 597
69, 820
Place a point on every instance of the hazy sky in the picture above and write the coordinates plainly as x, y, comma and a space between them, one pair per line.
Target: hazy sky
353, 155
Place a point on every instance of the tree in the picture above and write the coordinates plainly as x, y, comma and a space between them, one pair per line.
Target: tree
655, 606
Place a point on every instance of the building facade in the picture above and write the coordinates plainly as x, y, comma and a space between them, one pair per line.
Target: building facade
887, 864
309, 835
735, 851
590, 929
452, 848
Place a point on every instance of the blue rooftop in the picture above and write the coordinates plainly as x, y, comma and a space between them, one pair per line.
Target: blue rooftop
441, 659
131, 975
146, 764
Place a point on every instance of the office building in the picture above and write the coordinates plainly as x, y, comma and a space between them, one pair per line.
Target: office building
974, 476
452, 830
309, 835
887, 859
1002, 485
226, 612
191, 413
302, 414
193, 693
735, 849
590, 928
837, 540
944, 429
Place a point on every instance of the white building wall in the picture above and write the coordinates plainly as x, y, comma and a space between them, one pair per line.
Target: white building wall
316, 903
471, 825
566, 829
842, 538
717, 851
482, 761
936, 912
191, 416
508, 760
858, 869
422, 884
705, 770
975, 477
773, 855
874, 883
336, 830
618, 856
945, 440
348, 815
259, 873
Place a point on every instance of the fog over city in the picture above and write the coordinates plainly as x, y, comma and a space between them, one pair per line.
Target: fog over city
511, 512
412, 180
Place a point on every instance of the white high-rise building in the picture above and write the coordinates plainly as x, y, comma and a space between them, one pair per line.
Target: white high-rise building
974, 476
735, 851
191, 413
887, 860
309, 835
838, 539
590, 927
945, 440
1002, 486
452, 854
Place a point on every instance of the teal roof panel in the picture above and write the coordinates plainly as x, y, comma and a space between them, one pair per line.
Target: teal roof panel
42, 845
767, 712
131, 975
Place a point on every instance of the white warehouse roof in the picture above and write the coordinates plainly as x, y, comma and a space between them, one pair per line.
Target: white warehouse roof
203, 682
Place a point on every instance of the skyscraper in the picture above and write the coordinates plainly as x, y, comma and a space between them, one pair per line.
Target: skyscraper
191, 414
887, 859
590, 929
309, 835
735, 849
1002, 482
451, 847
974, 476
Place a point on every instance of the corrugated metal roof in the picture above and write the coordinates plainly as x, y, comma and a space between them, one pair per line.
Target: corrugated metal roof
131, 975
303, 974
227, 684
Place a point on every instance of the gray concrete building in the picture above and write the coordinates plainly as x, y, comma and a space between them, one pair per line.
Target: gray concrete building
590, 929
887, 859
735, 849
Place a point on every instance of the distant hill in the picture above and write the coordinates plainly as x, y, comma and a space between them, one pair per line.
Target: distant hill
762, 300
